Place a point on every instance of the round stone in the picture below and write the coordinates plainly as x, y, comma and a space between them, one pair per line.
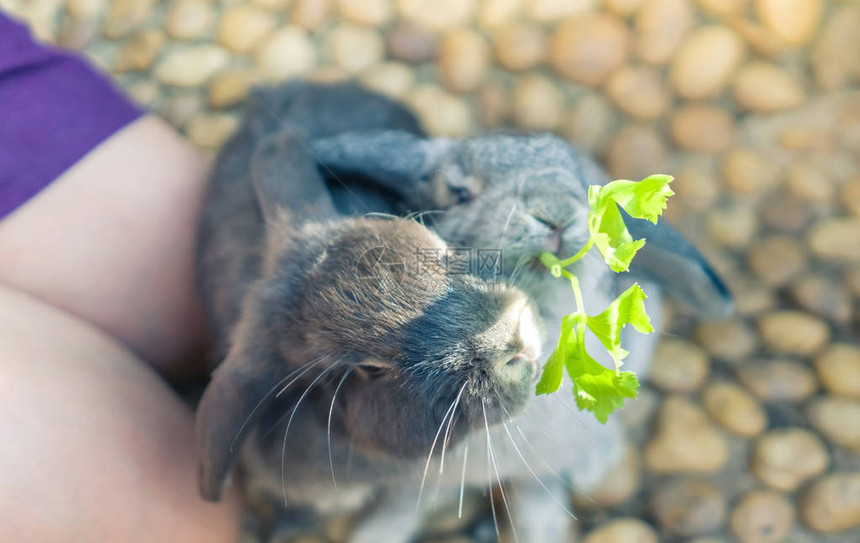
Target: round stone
762, 516
437, 15
723, 8
836, 418
390, 78
689, 507
685, 440
786, 458
751, 297
144, 92
786, 213
834, 60
807, 138
191, 66
678, 366
231, 87
210, 131
660, 27
850, 196
464, 58
354, 48
636, 152
622, 530
243, 26
810, 183
538, 104
588, 48
496, 13
639, 91
412, 43
366, 12
838, 369
778, 380
286, 53
732, 226
795, 21
520, 46
441, 113
620, 484
777, 260
548, 11
588, 123
85, 9
189, 19
763, 87
731, 340
123, 16
179, 108
706, 61
702, 128
140, 51
760, 38
734, 409
836, 239
310, 14
623, 8
494, 105
328, 74
824, 296
793, 332
696, 185
832, 504
747, 172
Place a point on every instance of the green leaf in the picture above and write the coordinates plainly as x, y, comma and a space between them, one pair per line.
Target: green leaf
602, 391
628, 308
608, 230
553, 372
643, 200
550, 379
596, 388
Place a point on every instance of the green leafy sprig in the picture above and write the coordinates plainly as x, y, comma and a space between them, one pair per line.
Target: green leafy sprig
596, 388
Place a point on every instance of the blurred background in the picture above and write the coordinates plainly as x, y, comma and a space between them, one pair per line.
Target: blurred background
748, 429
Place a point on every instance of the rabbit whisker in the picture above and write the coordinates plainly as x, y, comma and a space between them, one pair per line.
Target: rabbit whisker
498, 477
463, 481
507, 224
263, 399
535, 475
490, 476
303, 371
574, 415
448, 430
448, 413
290, 422
328, 424
540, 457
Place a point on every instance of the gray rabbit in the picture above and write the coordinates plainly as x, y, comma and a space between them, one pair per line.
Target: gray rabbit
514, 196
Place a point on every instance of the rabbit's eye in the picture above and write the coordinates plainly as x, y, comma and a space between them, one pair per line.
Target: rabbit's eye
462, 195
374, 368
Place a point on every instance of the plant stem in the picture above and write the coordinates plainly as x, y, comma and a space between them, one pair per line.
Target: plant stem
582, 252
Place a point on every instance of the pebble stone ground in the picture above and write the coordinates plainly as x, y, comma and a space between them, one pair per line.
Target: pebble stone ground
749, 429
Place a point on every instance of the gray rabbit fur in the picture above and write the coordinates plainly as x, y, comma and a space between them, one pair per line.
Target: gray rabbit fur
522, 194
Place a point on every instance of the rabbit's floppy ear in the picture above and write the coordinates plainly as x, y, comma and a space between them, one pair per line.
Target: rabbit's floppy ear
396, 160
679, 269
285, 177
243, 385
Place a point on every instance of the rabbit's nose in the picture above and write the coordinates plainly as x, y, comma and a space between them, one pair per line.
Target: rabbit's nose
554, 242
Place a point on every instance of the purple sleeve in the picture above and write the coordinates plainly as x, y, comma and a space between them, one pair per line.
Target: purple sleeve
54, 108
